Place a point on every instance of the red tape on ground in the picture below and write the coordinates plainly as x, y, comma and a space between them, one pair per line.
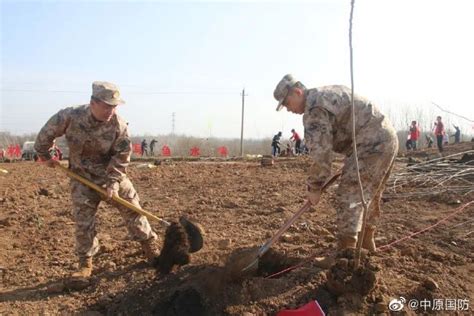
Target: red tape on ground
458, 210
382, 248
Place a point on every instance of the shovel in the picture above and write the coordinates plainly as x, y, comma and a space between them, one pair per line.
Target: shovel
193, 231
264, 248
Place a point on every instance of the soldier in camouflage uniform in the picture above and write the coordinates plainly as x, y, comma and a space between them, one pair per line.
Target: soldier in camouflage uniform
328, 129
99, 150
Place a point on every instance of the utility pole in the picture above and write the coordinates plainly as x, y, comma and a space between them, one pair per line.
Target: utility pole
242, 125
172, 122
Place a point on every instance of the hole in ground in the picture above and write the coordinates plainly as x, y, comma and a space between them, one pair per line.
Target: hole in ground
273, 261
183, 302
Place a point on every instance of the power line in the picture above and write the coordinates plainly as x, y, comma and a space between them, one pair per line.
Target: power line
463, 117
35, 90
141, 93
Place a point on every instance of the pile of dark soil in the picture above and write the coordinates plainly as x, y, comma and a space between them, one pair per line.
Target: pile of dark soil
175, 250
343, 277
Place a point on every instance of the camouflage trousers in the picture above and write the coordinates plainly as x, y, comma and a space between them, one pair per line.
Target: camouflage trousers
85, 204
376, 152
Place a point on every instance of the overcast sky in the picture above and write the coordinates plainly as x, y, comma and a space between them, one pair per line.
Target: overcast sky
194, 58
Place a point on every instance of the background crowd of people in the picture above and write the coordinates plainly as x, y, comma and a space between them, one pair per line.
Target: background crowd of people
294, 147
439, 132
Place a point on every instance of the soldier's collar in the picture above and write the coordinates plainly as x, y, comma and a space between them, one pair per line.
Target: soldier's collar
92, 119
310, 101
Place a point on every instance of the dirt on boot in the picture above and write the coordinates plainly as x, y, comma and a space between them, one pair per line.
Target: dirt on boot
85, 269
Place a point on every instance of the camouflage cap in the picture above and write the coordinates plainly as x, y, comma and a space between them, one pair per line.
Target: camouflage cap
106, 92
282, 89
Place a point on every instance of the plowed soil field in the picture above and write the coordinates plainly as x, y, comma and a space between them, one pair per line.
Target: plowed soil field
240, 204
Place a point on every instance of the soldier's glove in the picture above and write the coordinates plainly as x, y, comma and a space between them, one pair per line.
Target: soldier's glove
112, 190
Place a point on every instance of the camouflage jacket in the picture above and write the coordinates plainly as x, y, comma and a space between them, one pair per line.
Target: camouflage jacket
328, 127
98, 150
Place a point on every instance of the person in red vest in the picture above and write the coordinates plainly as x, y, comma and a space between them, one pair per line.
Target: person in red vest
297, 139
414, 134
439, 133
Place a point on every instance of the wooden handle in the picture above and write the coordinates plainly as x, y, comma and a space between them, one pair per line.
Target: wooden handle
115, 197
264, 248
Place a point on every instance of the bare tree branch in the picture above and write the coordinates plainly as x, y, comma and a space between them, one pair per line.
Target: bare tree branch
463, 117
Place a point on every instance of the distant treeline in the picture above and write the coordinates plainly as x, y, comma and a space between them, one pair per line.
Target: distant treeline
181, 145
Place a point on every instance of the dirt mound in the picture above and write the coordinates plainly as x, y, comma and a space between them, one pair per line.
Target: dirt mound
241, 263
216, 288
344, 278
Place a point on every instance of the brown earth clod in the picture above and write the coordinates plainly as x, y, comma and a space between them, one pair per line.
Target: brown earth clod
342, 278
175, 250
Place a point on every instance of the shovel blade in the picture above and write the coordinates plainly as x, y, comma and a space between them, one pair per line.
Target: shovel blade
195, 234
253, 265
241, 263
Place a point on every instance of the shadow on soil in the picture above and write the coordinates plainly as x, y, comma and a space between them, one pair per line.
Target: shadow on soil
63, 286
200, 290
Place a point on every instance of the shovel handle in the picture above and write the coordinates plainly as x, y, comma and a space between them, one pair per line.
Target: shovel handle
264, 248
283, 229
115, 197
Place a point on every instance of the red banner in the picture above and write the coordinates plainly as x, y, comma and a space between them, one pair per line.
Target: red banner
137, 149
14, 151
223, 151
195, 151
